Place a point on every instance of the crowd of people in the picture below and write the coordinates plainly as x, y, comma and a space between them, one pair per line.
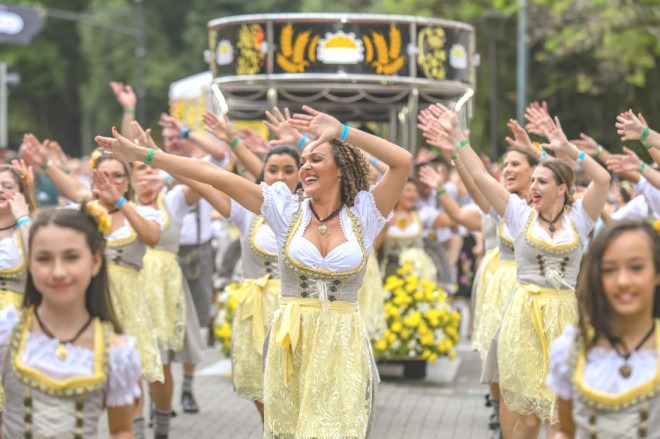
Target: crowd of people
552, 256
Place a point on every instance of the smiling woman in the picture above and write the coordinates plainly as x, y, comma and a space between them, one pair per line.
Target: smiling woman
314, 385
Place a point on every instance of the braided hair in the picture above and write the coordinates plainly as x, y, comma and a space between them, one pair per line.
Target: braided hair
355, 170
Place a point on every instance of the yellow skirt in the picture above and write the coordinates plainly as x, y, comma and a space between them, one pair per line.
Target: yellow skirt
130, 306
11, 298
162, 281
500, 287
257, 300
423, 265
534, 319
372, 300
488, 266
319, 375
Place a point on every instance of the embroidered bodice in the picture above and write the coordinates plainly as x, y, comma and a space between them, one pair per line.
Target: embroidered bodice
259, 253
304, 271
399, 237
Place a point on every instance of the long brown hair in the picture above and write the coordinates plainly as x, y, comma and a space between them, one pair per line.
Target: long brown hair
563, 174
355, 170
595, 311
97, 296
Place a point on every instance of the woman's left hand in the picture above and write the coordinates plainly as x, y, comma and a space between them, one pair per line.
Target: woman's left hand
118, 147
321, 125
18, 205
619, 163
559, 143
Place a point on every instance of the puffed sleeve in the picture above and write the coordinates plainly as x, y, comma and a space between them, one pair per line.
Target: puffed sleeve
651, 194
558, 379
175, 200
151, 214
125, 370
240, 217
371, 220
516, 214
8, 319
581, 218
278, 208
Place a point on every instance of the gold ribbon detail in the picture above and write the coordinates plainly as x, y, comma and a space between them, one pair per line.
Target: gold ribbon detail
288, 333
250, 298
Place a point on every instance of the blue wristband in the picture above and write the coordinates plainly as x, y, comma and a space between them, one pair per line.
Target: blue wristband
23, 221
374, 162
581, 156
544, 155
168, 178
344, 133
302, 142
184, 132
120, 202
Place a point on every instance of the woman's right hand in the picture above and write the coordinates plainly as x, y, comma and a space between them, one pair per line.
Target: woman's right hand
124, 94
104, 189
321, 125
587, 144
119, 147
619, 163
629, 126
430, 177
219, 127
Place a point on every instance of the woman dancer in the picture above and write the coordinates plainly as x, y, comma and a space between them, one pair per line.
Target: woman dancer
548, 242
64, 364
16, 203
314, 385
605, 371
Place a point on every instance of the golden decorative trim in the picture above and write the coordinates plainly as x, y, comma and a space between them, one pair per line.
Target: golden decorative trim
254, 228
160, 202
76, 385
118, 242
607, 402
500, 235
415, 219
14, 272
561, 248
293, 227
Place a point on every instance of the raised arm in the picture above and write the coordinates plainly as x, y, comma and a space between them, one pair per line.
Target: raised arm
629, 162
204, 142
634, 127
398, 160
36, 154
590, 146
246, 193
128, 101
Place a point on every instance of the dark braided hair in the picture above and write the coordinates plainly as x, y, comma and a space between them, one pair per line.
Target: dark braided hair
354, 168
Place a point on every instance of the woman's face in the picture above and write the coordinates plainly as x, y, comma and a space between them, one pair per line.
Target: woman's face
318, 172
628, 274
281, 167
140, 173
62, 265
8, 187
408, 197
115, 173
516, 172
545, 191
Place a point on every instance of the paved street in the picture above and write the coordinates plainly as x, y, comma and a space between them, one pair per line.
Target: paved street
448, 404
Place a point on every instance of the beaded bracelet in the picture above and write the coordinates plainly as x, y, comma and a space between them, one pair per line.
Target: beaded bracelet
344, 133
302, 142
149, 157
120, 202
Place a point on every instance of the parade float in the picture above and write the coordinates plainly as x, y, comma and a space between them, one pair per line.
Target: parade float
376, 69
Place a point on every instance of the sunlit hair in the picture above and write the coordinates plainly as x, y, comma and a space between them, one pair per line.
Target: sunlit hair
130, 193
531, 160
563, 174
97, 296
24, 186
354, 168
279, 150
595, 312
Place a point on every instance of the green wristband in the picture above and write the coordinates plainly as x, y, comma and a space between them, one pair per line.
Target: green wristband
463, 143
454, 157
129, 110
647, 146
149, 157
641, 168
645, 134
599, 151
234, 142
440, 192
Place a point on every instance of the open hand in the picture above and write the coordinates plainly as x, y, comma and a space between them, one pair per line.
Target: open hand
629, 126
118, 147
323, 126
19, 207
627, 162
281, 128
103, 188
124, 94
219, 126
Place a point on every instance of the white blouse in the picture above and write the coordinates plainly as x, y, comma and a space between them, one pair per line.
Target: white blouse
39, 353
147, 212
517, 212
242, 218
10, 253
279, 207
601, 371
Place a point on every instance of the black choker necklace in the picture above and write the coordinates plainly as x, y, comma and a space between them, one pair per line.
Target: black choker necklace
626, 369
552, 227
61, 352
322, 227
2, 229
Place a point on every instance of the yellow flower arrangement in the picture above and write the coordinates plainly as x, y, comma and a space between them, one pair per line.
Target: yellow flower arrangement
223, 321
98, 152
101, 216
420, 321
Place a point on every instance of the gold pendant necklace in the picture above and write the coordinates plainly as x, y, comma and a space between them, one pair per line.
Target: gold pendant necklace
61, 352
626, 369
323, 229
